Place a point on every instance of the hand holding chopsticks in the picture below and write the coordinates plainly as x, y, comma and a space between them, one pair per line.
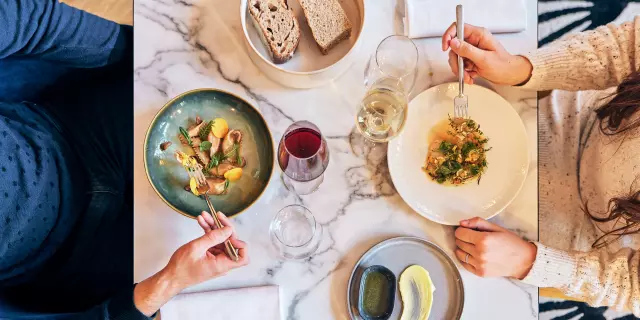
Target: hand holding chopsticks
208, 223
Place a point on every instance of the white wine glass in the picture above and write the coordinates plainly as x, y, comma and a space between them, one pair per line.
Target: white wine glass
390, 76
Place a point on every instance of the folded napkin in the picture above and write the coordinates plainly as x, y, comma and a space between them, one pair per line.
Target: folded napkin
430, 18
245, 303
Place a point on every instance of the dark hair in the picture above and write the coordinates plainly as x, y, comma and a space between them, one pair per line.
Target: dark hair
618, 117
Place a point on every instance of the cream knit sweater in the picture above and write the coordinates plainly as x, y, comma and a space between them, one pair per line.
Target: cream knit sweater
578, 163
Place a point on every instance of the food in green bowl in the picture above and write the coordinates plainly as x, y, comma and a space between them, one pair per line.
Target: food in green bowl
227, 137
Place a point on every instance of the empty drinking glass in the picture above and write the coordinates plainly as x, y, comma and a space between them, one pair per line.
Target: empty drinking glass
303, 157
295, 233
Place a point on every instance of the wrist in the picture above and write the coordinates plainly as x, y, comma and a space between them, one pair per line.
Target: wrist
522, 70
152, 293
529, 260
170, 281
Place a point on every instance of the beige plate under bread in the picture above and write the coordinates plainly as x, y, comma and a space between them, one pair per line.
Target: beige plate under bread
309, 67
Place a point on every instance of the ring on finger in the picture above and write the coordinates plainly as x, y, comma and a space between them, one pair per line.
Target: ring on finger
466, 258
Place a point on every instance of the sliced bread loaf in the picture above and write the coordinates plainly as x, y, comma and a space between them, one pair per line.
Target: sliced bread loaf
277, 26
328, 22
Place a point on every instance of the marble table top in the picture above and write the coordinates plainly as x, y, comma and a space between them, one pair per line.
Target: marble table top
187, 44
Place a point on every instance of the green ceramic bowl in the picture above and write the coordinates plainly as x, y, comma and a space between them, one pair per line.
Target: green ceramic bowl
168, 177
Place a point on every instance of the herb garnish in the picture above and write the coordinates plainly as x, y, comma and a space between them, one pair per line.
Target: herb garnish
461, 157
205, 146
233, 149
238, 157
205, 130
210, 166
446, 147
185, 134
219, 156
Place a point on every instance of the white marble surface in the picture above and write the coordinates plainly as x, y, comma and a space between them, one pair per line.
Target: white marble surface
187, 44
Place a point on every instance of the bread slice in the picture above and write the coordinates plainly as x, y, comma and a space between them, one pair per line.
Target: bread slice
277, 26
328, 22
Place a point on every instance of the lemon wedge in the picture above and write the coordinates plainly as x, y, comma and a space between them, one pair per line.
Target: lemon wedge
194, 186
416, 290
233, 174
220, 127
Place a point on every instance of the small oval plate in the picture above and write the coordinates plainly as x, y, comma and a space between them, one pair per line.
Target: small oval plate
397, 254
391, 285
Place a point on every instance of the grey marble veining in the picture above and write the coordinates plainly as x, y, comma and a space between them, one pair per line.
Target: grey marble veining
188, 44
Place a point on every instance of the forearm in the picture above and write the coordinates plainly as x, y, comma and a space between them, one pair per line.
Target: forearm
152, 293
51, 30
597, 277
596, 59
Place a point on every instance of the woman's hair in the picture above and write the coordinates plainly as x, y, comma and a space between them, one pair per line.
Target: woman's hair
621, 209
620, 116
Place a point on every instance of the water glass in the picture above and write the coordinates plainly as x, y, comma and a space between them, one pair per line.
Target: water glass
294, 232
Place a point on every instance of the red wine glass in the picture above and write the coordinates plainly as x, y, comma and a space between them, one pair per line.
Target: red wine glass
303, 157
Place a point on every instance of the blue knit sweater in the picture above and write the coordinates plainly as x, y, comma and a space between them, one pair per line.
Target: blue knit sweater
41, 183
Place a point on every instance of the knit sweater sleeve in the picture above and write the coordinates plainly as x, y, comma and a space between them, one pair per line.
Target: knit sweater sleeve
597, 277
596, 59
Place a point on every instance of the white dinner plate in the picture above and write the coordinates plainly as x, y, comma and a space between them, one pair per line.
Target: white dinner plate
508, 160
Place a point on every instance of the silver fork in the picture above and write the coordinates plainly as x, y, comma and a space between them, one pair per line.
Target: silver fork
460, 102
195, 171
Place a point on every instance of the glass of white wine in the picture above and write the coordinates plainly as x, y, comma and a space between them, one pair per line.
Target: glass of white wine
389, 78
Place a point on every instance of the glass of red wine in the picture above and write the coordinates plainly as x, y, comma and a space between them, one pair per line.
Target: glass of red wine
303, 157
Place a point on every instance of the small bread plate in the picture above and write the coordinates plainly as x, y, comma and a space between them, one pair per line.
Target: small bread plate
507, 161
169, 178
308, 67
397, 255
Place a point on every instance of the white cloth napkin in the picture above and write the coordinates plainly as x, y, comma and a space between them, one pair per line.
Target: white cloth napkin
245, 303
431, 18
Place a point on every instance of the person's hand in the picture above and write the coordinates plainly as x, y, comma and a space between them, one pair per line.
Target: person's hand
484, 56
197, 261
492, 250
205, 258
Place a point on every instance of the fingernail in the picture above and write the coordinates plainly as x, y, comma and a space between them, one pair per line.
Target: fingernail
455, 43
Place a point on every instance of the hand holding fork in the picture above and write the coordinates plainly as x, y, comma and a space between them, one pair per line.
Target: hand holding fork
460, 102
194, 170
